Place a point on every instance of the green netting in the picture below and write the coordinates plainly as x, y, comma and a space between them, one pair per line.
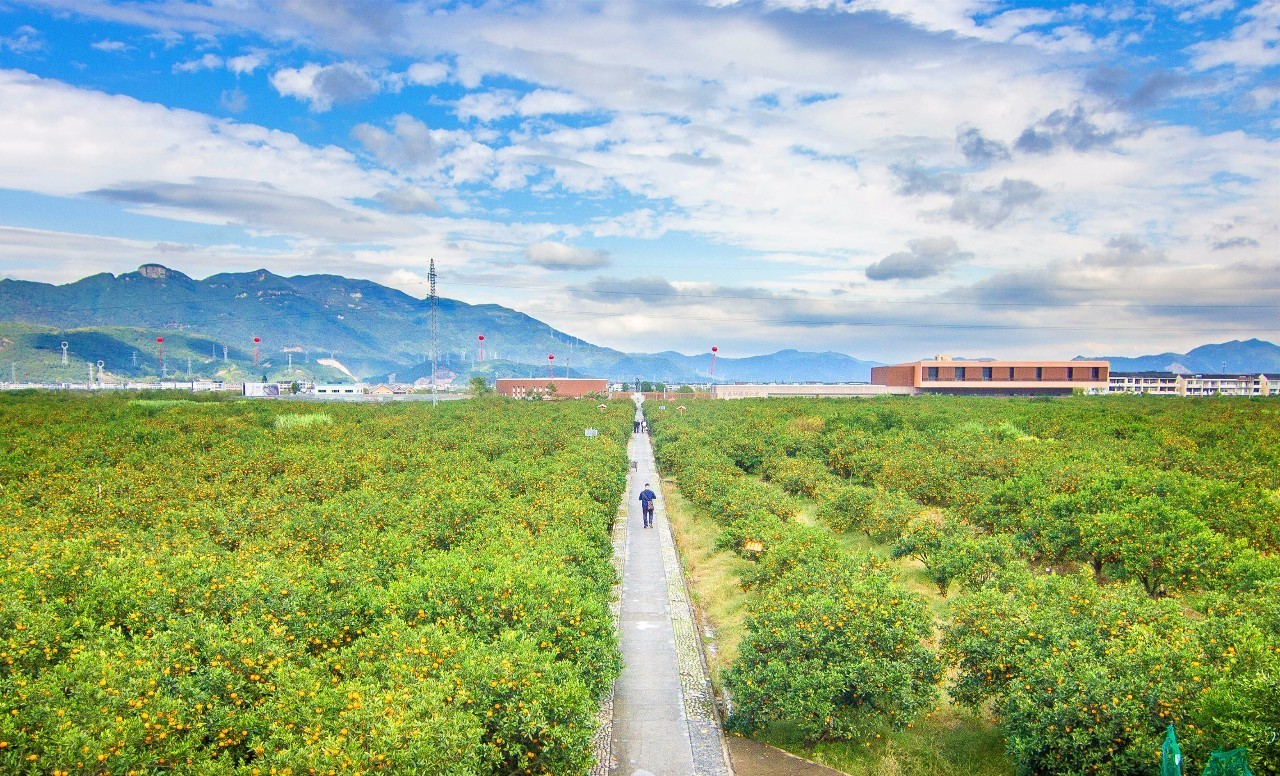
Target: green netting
1170, 755
1230, 762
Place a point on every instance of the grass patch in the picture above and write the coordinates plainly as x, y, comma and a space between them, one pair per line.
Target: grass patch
714, 579
291, 422
159, 402
949, 742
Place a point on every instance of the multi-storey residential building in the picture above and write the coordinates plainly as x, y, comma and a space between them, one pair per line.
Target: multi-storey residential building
1156, 383
1171, 384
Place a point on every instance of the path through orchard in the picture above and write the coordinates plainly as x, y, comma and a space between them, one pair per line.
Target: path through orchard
663, 715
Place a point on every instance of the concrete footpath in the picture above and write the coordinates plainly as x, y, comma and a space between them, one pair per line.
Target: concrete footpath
663, 716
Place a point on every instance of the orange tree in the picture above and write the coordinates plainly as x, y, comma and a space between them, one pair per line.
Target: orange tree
204, 587
1171, 505
837, 650
1084, 678
833, 647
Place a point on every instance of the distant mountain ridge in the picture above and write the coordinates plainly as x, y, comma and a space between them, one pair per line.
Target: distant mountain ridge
370, 328
1237, 356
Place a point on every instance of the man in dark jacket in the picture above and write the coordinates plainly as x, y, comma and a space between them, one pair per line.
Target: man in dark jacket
647, 498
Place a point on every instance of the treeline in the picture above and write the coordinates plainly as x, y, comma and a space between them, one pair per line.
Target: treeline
254, 587
1113, 559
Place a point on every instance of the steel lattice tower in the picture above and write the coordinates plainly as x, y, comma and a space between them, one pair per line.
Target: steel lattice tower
431, 276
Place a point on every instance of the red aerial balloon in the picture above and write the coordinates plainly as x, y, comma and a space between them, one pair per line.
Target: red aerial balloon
551, 358
159, 339
257, 339
482, 338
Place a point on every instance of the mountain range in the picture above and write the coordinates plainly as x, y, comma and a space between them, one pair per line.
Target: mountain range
328, 327
209, 327
1244, 357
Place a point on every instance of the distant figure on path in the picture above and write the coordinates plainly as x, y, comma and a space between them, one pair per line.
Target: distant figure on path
647, 498
635, 428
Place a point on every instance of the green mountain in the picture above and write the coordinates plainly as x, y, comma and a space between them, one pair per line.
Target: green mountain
370, 329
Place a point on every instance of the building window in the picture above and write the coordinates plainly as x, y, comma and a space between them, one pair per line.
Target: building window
959, 373
986, 373
1095, 373
931, 373
1010, 373
1071, 373
1039, 373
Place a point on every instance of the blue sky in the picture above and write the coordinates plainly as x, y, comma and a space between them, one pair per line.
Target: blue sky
885, 178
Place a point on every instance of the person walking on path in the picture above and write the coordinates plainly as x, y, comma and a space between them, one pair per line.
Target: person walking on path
647, 498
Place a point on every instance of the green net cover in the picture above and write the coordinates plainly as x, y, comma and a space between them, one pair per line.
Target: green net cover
1231, 762
1170, 755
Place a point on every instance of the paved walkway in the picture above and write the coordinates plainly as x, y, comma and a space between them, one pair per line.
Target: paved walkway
663, 718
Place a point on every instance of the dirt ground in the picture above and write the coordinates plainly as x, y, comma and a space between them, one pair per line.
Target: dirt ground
752, 758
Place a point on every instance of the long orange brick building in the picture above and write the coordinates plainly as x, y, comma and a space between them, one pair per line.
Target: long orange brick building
996, 378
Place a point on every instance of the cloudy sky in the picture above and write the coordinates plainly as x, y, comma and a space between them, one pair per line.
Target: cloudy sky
885, 178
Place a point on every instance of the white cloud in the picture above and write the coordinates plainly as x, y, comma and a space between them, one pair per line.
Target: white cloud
743, 132
486, 106
322, 86
206, 62
407, 200
555, 255
24, 40
245, 64
111, 46
58, 140
543, 101
233, 101
427, 73
409, 146
1253, 44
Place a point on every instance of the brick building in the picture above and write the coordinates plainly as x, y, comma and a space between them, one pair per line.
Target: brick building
566, 387
807, 390
996, 378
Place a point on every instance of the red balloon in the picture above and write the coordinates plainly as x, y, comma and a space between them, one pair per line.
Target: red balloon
159, 339
256, 339
714, 348
482, 338
551, 358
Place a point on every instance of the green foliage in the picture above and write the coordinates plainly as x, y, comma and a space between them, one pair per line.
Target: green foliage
1085, 678
1171, 505
404, 588
835, 651
879, 514
833, 647
952, 551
